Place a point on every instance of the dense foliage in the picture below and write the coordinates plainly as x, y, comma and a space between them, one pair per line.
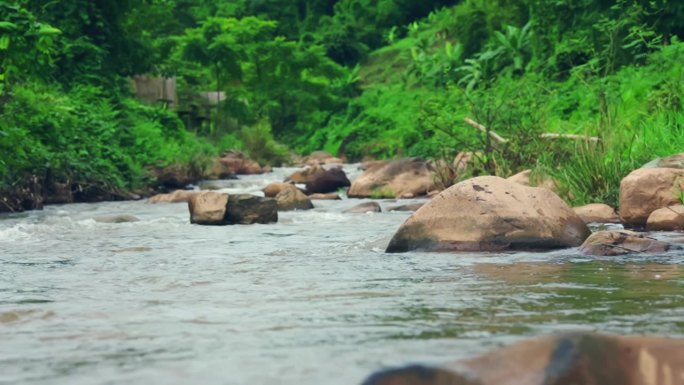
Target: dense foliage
357, 78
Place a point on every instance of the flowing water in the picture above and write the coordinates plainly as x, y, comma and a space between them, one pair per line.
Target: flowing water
311, 300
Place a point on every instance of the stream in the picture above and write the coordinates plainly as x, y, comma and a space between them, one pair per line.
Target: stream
312, 299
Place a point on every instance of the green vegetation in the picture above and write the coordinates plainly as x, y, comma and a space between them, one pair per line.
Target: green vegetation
381, 78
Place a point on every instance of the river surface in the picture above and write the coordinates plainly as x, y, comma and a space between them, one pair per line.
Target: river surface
312, 299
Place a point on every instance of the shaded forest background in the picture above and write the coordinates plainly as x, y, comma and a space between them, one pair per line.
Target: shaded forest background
357, 78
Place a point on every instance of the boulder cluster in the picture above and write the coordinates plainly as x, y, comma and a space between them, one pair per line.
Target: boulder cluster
478, 214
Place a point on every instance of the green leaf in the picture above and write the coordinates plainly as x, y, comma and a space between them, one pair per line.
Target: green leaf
45, 29
4, 42
7, 26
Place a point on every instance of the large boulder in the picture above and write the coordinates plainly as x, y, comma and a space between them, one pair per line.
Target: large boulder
568, 359
490, 213
276, 188
647, 189
174, 197
621, 242
327, 181
293, 199
597, 213
208, 208
669, 218
403, 178
248, 209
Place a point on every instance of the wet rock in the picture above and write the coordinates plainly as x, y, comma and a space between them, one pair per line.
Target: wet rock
490, 213
673, 161
621, 242
119, 218
368, 207
249, 209
409, 207
327, 181
208, 208
293, 199
304, 175
399, 178
647, 189
569, 359
174, 197
669, 218
232, 163
329, 197
275, 188
597, 213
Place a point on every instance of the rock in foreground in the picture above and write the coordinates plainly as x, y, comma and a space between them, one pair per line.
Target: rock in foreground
571, 359
490, 213
621, 242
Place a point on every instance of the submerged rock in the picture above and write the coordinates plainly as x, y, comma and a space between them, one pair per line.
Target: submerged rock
368, 207
621, 242
293, 199
597, 213
570, 359
647, 189
409, 207
490, 213
329, 197
669, 218
119, 218
401, 178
